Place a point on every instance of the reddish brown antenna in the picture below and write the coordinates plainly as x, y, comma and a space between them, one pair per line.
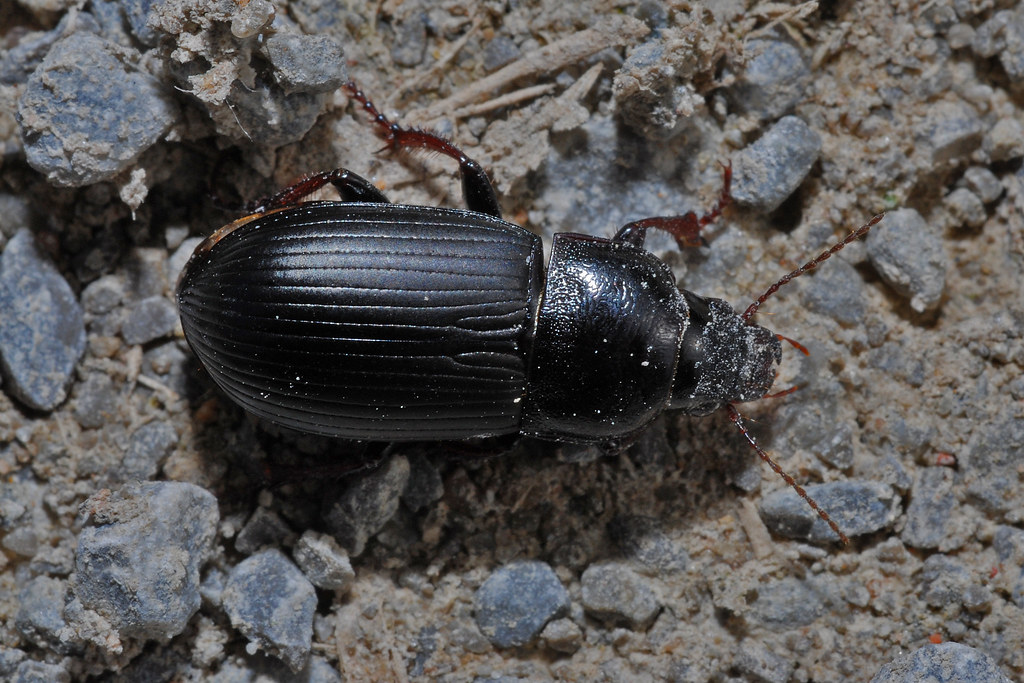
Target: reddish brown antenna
734, 414
810, 265
737, 419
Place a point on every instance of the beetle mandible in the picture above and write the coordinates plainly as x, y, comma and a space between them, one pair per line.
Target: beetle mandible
362, 319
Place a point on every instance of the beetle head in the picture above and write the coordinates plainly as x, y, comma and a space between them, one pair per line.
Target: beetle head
723, 359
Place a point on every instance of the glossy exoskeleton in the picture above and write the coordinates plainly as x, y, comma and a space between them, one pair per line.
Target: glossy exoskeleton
363, 319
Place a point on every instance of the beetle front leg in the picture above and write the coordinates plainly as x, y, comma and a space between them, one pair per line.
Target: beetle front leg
351, 186
476, 186
685, 228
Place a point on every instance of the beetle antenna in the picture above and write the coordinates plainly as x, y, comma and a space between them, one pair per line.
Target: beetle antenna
737, 419
810, 265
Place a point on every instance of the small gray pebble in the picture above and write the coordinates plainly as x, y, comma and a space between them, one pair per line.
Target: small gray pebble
19, 61
774, 80
499, 51
614, 592
951, 130
264, 527
769, 170
272, 604
96, 401
42, 332
302, 63
943, 580
931, 510
103, 295
858, 508
983, 183
837, 292
138, 566
513, 605
10, 658
87, 112
149, 319
908, 253
138, 13
366, 504
424, 486
1012, 54
1009, 545
40, 615
1005, 140
563, 635
761, 664
991, 465
641, 539
965, 207
270, 116
942, 663
788, 603
31, 671
148, 447
410, 40
323, 562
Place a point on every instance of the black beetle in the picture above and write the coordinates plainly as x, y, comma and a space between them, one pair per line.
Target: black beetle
362, 319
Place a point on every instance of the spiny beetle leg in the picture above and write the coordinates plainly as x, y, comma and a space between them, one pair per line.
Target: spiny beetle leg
685, 228
351, 186
477, 190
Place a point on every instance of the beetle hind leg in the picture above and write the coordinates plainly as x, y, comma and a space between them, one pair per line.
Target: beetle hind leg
476, 186
351, 186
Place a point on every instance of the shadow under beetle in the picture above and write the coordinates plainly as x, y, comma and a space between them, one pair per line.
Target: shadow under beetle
362, 319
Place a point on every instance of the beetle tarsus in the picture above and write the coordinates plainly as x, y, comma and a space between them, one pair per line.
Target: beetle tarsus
685, 228
477, 190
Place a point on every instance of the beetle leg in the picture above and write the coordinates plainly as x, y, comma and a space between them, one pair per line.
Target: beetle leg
685, 228
351, 186
476, 186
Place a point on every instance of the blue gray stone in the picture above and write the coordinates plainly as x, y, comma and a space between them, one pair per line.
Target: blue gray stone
88, 112
942, 663
774, 80
138, 564
768, 171
858, 507
301, 63
272, 604
908, 253
514, 604
42, 333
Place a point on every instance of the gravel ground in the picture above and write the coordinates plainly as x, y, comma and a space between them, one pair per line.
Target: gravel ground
140, 541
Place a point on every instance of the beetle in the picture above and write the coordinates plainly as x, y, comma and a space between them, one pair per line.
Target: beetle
367, 320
